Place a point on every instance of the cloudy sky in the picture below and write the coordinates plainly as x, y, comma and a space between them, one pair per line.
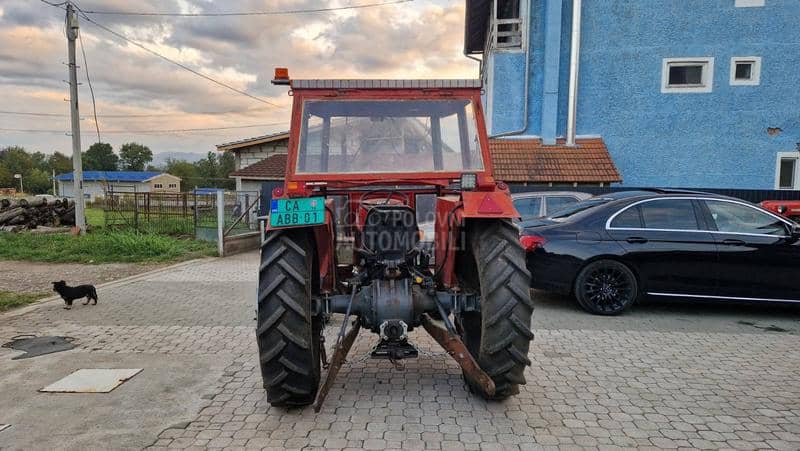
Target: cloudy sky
416, 39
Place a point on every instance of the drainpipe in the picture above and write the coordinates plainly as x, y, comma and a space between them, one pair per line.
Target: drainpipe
527, 90
574, 63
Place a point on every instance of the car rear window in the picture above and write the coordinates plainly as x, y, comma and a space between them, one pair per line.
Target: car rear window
556, 203
670, 214
529, 207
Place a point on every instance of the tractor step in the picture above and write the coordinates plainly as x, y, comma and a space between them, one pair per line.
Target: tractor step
394, 350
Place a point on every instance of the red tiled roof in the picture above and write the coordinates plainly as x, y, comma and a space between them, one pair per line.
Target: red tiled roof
528, 160
515, 160
271, 168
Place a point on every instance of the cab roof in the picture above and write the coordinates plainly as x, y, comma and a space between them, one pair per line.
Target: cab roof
386, 84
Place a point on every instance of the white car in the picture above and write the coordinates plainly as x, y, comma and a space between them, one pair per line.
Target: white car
544, 203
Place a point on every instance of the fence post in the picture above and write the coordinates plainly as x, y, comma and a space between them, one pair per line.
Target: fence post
220, 223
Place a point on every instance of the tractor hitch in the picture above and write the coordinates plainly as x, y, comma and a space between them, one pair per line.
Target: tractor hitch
458, 351
339, 355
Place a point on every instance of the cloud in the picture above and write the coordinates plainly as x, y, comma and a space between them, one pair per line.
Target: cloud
421, 39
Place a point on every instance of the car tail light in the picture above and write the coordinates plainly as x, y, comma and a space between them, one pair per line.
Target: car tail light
531, 242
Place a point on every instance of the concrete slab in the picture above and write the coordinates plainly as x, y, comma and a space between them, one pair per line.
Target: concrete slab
92, 380
130, 417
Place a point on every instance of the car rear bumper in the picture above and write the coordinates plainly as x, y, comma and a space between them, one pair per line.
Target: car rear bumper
551, 273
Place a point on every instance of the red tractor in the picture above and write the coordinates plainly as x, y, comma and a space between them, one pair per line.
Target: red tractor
368, 161
787, 208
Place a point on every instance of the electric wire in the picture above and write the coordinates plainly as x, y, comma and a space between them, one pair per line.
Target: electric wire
249, 13
91, 90
145, 115
170, 60
165, 58
166, 131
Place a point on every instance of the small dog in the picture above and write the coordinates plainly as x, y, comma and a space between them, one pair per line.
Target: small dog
69, 294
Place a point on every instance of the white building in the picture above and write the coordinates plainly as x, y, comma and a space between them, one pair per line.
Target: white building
96, 183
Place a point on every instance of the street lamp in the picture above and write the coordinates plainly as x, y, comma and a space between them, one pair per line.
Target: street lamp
19, 176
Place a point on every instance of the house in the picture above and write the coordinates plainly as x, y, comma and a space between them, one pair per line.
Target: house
258, 159
96, 183
696, 93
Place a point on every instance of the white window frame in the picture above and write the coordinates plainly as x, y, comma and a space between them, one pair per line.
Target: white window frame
755, 73
158, 186
787, 156
707, 79
749, 3
494, 24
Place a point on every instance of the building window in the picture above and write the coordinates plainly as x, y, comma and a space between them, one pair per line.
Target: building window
158, 185
507, 29
687, 75
745, 70
173, 185
749, 3
788, 171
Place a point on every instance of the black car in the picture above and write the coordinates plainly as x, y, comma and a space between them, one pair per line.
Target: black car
610, 250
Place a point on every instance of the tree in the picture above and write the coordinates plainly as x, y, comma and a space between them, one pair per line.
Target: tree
38, 182
100, 157
60, 163
6, 178
227, 164
16, 160
134, 156
208, 167
182, 169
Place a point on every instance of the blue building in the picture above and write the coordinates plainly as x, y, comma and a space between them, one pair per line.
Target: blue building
682, 93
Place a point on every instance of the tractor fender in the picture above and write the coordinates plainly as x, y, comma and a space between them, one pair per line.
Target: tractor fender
488, 204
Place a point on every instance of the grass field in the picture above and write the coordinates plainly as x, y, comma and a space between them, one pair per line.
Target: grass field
9, 300
101, 246
94, 217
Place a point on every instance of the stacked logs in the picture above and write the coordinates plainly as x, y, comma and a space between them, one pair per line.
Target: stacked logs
28, 214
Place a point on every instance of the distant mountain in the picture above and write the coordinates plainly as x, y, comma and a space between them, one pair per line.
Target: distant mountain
160, 159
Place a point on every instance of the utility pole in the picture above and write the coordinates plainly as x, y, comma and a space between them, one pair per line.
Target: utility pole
72, 35
55, 193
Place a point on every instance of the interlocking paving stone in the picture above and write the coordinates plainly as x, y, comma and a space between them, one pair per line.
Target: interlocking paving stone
648, 379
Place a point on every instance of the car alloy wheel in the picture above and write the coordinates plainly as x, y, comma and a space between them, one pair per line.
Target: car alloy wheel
606, 287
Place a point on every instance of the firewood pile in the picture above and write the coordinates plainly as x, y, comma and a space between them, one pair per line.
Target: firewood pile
31, 213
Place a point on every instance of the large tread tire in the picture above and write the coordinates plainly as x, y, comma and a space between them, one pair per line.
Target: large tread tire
287, 334
499, 336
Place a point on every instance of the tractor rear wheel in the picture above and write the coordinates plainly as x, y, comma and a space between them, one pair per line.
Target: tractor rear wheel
287, 333
498, 336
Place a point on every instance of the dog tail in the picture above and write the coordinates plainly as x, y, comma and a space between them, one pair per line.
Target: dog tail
94, 294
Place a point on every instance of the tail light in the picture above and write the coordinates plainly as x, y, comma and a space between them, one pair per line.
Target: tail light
531, 242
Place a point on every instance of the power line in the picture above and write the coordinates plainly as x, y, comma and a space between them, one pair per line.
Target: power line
165, 58
167, 131
91, 90
182, 66
249, 13
146, 115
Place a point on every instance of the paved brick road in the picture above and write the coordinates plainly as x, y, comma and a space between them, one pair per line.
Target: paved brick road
666, 375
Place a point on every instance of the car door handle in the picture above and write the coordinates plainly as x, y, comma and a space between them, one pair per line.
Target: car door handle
732, 242
636, 240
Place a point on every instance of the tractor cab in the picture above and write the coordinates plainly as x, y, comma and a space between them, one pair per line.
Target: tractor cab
368, 161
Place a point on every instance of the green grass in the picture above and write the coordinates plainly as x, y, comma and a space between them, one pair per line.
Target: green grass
95, 217
9, 299
101, 246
